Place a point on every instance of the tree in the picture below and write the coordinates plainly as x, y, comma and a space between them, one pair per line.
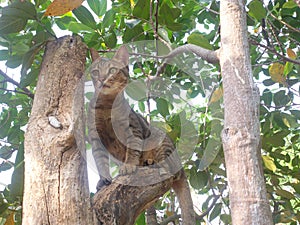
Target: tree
273, 36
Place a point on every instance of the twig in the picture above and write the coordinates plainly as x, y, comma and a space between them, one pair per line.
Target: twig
12, 81
252, 41
275, 36
286, 24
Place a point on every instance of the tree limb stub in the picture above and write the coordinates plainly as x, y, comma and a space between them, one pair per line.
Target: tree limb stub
120, 203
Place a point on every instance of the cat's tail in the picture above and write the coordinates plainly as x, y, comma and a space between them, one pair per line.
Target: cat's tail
182, 190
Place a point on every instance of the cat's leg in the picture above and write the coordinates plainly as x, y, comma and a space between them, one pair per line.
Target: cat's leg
133, 151
101, 157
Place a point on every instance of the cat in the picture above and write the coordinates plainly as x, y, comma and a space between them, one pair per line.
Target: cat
117, 131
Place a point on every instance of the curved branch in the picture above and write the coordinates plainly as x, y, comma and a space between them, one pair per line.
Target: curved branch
121, 203
207, 55
12, 81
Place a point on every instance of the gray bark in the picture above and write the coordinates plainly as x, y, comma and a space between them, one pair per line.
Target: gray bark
241, 134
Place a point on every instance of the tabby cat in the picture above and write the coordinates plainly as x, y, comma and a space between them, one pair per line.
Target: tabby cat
117, 131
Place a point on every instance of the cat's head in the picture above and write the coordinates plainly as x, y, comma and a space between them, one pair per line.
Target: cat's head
110, 76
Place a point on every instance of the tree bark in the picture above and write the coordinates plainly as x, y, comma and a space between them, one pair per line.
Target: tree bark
241, 134
120, 203
56, 185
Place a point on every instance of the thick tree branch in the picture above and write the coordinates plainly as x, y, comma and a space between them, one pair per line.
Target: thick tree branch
12, 81
121, 202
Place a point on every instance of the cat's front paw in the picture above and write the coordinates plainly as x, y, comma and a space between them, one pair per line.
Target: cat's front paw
102, 183
127, 169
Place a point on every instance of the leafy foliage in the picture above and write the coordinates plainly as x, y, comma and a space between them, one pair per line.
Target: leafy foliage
274, 38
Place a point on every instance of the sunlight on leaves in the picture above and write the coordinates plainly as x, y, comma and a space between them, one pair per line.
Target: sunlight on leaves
269, 163
60, 7
276, 71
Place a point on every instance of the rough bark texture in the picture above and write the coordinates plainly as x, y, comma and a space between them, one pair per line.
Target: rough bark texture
120, 203
241, 134
56, 185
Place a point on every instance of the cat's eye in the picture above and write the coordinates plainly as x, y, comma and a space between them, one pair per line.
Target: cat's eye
112, 70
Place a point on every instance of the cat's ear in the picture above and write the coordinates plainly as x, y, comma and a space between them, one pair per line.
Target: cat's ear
94, 54
122, 55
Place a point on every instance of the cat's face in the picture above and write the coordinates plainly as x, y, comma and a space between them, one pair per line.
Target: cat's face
110, 76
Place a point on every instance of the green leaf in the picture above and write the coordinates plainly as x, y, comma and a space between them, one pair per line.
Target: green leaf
18, 9
10, 24
198, 180
281, 98
5, 165
285, 194
79, 27
142, 9
141, 106
162, 107
288, 67
211, 151
108, 18
98, 6
198, 39
267, 97
85, 17
64, 22
133, 34
17, 180
29, 57
6, 152
168, 15
215, 212
141, 220
257, 10
14, 61
110, 40
3, 55
29, 78
269, 163
136, 90
290, 4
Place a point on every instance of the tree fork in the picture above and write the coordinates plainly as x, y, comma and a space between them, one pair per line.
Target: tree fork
121, 203
56, 185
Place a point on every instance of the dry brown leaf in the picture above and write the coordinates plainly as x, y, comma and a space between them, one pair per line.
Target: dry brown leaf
216, 95
10, 219
60, 7
291, 53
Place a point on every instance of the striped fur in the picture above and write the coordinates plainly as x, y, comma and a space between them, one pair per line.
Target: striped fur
116, 131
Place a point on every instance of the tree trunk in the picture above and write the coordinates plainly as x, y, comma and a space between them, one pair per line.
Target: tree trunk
241, 134
56, 185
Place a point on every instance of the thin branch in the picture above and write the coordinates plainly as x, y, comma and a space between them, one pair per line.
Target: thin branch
252, 41
12, 81
14, 91
286, 24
